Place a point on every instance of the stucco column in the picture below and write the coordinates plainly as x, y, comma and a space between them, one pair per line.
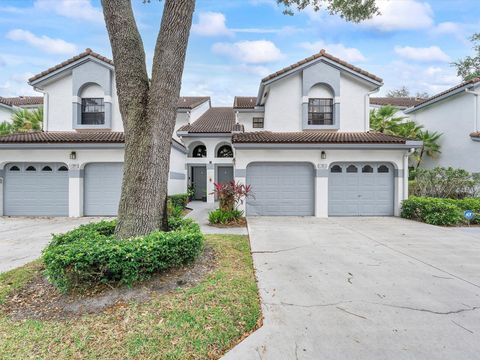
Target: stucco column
210, 183
321, 191
75, 191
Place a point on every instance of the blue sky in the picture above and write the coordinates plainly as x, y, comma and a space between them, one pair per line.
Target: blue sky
235, 43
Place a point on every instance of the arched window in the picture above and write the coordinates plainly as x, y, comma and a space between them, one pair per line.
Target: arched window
31, 168
383, 169
200, 151
14, 168
352, 169
63, 168
47, 168
225, 151
336, 169
367, 169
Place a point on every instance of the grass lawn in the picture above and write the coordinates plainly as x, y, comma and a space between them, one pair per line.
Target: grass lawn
198, 322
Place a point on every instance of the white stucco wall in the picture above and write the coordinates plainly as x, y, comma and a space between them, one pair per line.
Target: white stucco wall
246, 119
59, 105
353, 104
85, 156
244, 157
5, 114
455, 118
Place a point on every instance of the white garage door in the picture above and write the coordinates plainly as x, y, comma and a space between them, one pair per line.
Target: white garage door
36, 189
281, 189
360, 189
102, 188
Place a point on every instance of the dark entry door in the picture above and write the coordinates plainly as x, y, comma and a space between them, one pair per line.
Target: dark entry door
199, 182
224, 174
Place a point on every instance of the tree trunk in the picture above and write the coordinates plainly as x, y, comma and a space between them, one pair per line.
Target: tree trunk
148, 109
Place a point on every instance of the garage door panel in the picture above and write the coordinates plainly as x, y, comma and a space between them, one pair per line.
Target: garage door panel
102, 188
281, 189
36, 193
363, 193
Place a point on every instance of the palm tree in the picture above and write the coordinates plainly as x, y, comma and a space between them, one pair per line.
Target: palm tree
385, 120
6, 128
408, 129
430, 146
24, 120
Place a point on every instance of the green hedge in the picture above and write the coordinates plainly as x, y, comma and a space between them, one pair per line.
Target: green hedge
91, 254
437, 211
179, 200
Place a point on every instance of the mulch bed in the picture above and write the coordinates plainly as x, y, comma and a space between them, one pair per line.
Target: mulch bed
242, 222
38, 299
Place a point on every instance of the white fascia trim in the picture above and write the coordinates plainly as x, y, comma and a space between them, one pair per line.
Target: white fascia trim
256, 109
68, 67
9, 107
440, 98
252, 146
475, 138
187, 134
42, 146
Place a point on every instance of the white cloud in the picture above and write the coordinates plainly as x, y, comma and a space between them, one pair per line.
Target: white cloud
447, 27
211, 24
339, 50
250, 52
44, 43
402, 15
427, 54
74, 9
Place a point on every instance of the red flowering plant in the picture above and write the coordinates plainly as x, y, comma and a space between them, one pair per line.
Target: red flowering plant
231, 194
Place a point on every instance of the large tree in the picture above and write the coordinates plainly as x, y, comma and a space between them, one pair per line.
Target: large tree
148, 107
469, 67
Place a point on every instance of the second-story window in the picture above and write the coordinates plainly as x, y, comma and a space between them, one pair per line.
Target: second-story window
320, 111
258, 122
93, 111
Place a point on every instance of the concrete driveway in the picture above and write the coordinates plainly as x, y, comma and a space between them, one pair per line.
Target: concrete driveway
364, 288
22, 239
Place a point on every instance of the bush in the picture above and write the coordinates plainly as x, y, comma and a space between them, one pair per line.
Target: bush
448, 183
220, 216
435, 211
179, 200
91, 254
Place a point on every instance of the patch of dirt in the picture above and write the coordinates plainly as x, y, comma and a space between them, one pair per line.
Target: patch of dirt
242, 222
40, 300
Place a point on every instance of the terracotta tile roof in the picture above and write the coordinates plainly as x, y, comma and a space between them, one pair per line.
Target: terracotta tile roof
316, 137
459, 86
87, 52
324, 54
396, 101
244, 102
190, 102
214, 120
91, 136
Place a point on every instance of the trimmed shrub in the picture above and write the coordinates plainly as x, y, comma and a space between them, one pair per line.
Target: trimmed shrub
179, 200
220, 216
434, 211
91, 254
447, 183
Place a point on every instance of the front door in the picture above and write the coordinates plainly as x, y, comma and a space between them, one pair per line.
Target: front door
199, 182
224, 174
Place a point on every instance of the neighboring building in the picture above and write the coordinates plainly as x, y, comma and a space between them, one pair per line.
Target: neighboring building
10, 104
303, 144
455, 114
401, 103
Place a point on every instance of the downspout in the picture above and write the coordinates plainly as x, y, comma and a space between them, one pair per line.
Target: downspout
45, 108
476, 124
367, 108
405, 172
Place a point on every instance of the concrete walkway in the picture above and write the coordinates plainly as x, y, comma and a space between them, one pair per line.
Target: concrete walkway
200, 212
22, 239
364, 288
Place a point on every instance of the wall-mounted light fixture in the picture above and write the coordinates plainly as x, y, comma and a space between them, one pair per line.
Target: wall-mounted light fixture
323, 155
73, 155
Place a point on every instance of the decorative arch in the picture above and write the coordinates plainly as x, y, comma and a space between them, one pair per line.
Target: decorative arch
326, 89
197, 149
221, 150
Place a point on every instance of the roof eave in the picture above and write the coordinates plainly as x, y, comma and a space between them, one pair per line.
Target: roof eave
332, 146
